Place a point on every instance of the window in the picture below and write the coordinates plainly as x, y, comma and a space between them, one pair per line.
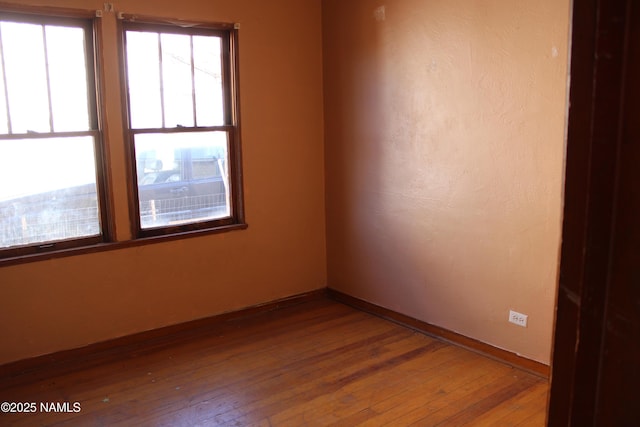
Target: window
51, 186
181, 130
182, 127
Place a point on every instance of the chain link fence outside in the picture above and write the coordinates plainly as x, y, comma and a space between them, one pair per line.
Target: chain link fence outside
73, 213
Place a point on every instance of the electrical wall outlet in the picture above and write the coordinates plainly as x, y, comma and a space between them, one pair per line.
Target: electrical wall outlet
518, 318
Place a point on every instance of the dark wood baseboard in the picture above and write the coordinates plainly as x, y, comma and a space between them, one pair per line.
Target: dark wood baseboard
321, 361
488, 350
106, 351
131, 345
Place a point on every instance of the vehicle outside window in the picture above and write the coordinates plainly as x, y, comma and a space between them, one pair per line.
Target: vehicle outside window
182, 126
181, 129
180, 183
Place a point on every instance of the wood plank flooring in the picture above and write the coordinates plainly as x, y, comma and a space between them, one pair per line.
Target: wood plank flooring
318, 363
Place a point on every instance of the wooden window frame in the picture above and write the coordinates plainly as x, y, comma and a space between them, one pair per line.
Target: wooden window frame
91, 26
231, 126
106, 241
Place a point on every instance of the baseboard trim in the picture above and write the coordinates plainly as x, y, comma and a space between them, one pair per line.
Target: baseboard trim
111, 350
114, 349
487, 350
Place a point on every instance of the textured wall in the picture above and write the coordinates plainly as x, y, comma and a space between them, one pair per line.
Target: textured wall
70, 302
444, 145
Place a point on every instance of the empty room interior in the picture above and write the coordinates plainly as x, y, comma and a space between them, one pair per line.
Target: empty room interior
397, 166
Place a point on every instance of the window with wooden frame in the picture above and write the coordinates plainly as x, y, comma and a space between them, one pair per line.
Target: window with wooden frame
52, 189
182, 126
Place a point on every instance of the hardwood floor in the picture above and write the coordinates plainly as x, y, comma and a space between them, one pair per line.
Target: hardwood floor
318, 363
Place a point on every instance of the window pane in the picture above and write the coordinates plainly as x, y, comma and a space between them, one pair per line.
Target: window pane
68, 77
177, 82
26, 77
143, 73
166, 87
48, 190
182, 177
208, 81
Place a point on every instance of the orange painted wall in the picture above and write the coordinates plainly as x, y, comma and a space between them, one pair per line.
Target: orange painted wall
70, 302
444, 146
444, 141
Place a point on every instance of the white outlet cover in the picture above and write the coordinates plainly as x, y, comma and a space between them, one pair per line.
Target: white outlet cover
518, 318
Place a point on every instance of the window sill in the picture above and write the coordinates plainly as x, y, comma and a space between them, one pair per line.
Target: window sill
110, 246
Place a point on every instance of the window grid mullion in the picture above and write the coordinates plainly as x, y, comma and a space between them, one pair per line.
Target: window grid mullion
4, 82
225, 59
220, 128
37, 135
48, 77
91, 79
193, 82
161, 75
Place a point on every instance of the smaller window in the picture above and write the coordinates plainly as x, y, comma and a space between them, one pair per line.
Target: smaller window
183, 127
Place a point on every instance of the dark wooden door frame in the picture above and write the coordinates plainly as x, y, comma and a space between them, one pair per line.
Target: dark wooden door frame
599, 59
